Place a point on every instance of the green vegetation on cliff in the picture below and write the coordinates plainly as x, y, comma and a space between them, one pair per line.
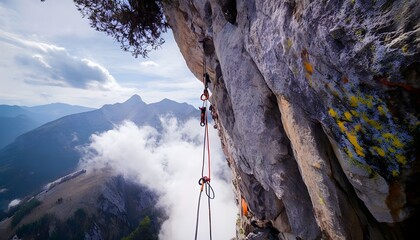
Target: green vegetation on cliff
144, 231
24, 210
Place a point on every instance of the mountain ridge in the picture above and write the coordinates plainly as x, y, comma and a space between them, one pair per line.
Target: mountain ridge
16, 120
54, 144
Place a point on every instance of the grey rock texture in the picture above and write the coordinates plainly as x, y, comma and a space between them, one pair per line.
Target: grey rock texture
318, 110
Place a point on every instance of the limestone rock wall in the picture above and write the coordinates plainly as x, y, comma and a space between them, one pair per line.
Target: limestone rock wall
318, 111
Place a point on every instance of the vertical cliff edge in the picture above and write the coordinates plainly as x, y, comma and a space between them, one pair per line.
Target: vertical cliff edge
318, 111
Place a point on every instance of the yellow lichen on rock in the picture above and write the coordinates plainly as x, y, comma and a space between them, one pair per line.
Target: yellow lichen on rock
367, 128
379, 151
394, 140
332, 113
401, 159
342, 126
382, 110
347, 115
353, 140
404, 48
372, 123
354, 113
353, 101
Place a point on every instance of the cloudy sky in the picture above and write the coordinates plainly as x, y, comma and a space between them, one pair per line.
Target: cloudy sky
50, 54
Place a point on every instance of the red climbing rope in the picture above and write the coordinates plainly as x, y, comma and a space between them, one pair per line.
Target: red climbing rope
204, 181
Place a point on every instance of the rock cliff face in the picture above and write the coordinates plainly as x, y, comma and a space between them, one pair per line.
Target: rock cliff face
318, 111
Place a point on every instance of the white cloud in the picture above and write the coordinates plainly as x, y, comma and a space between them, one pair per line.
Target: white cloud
75, 137
149, 64
14, 203
170, 164
41, 60
47, 64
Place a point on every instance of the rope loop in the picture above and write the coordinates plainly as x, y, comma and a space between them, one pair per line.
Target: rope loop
204, 182
209, 190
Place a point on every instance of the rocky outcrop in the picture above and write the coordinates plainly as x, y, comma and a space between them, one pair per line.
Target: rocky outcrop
318, 110
95, 204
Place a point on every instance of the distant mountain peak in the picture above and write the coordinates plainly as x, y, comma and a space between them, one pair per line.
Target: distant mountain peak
134, 99
168, 100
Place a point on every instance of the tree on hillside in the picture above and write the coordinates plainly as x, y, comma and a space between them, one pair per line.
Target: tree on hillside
136, 24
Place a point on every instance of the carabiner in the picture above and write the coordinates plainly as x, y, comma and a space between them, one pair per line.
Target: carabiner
203, 116
205, 95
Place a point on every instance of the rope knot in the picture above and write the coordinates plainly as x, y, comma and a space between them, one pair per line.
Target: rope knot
203, 180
